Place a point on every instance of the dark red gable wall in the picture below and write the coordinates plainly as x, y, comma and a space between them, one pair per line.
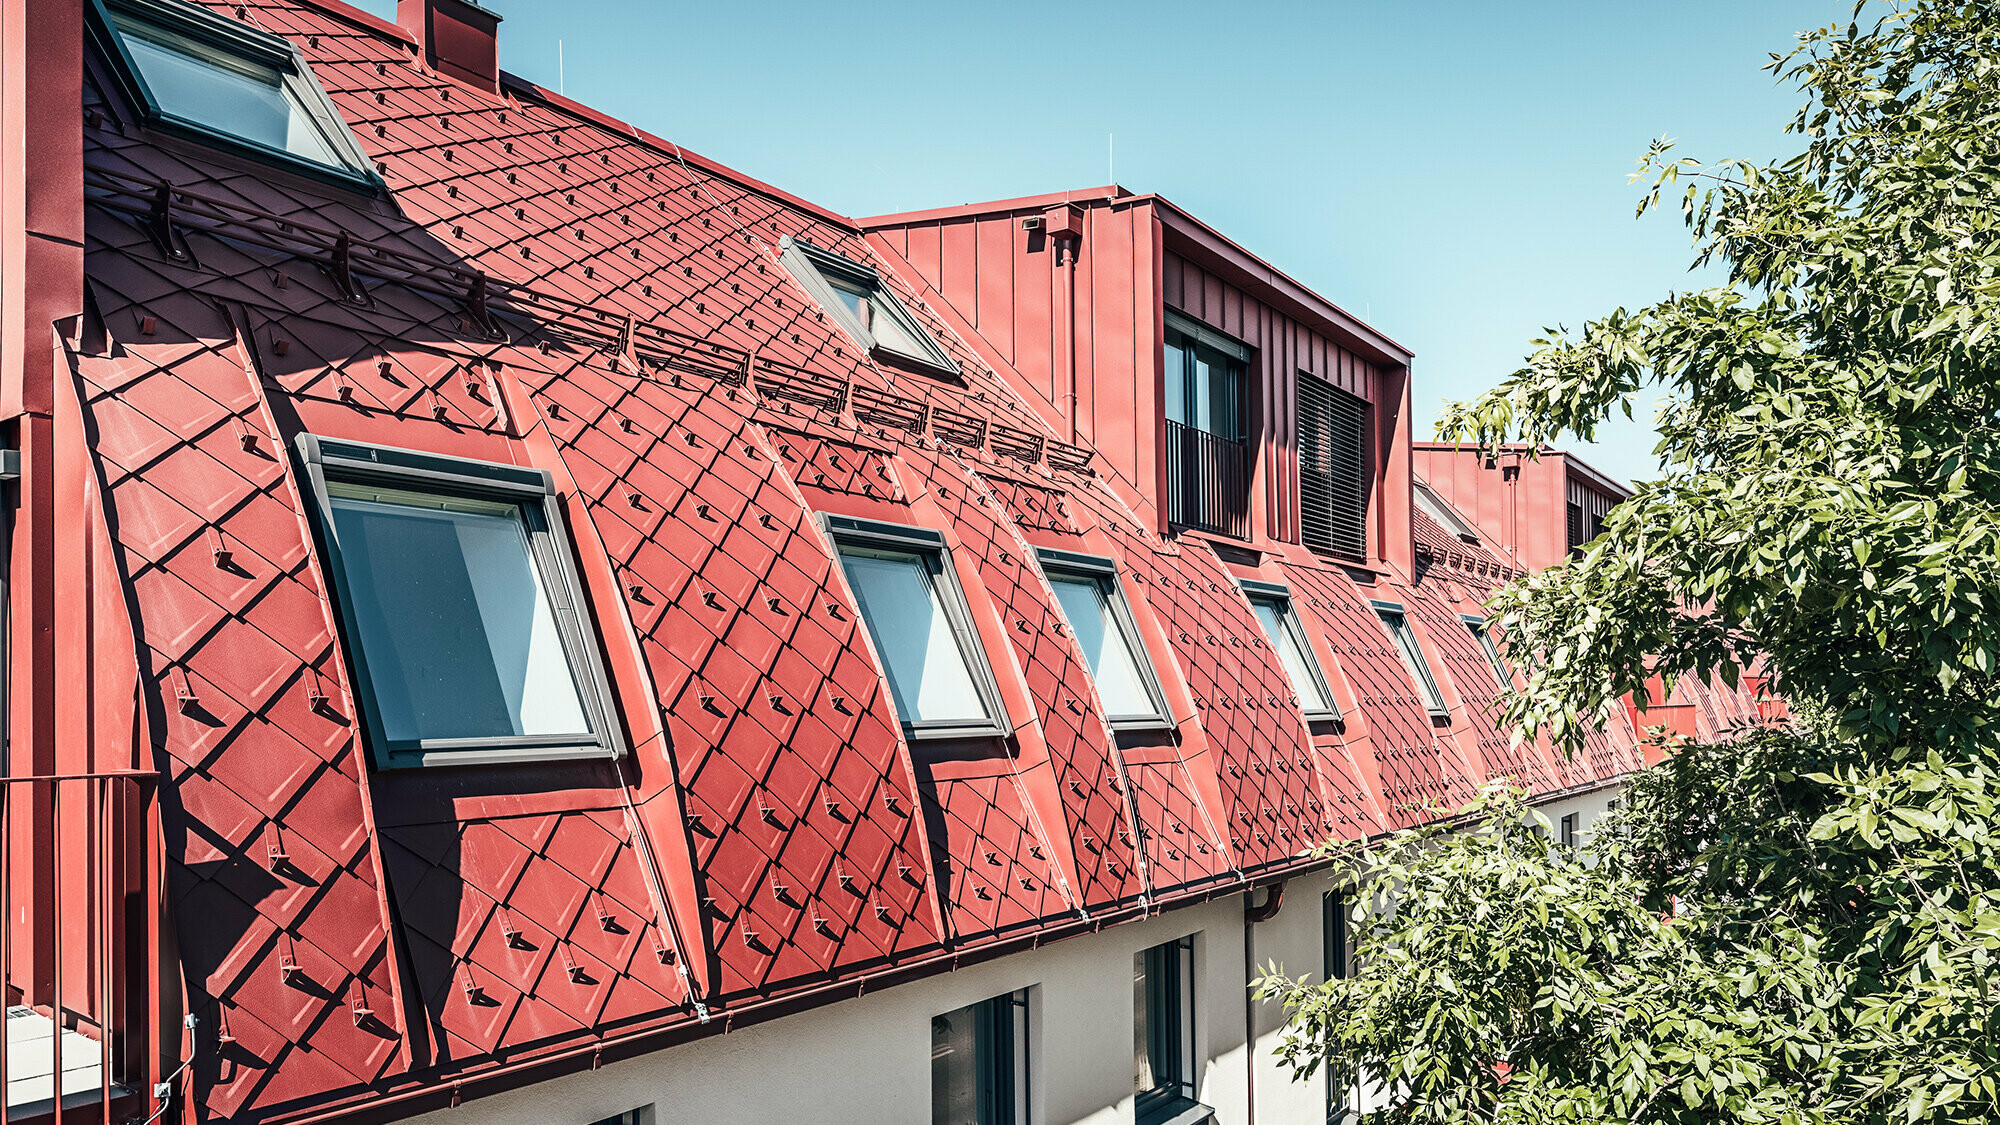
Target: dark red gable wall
1011, 291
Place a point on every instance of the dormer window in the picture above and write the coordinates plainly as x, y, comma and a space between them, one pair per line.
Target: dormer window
199, 74
1273, 605
857, 297
908, 593
1333, 469
1398, 625
465, 622
1093, 603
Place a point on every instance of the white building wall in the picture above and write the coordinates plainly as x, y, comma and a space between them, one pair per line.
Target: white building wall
867, 1060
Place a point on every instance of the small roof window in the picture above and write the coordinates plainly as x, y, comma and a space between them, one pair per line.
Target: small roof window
862, 303
1273, 605
1477, 625
465, 623
194, 72
916, 614
1398, 625
1094, 605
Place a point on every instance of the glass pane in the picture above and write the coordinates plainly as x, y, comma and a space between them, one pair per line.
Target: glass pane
889, 332
854, 298
927, 671
955, 1067
1176, 382
197, 82
1143, 1078
1203, 392
1112, 662
455, 624
1296, 661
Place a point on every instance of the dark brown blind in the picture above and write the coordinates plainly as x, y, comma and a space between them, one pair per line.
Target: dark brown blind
1587, 509
1333, 469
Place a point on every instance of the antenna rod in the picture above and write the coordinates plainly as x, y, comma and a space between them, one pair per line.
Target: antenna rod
561, 86
1111, 156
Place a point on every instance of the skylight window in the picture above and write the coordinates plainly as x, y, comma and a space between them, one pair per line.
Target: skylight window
462, 617
194, 72
1398, 625
1094, 604
1477, 625
862, 303
916, 614
1273, 606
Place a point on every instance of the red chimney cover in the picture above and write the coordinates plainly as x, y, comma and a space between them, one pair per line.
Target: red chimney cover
459, 38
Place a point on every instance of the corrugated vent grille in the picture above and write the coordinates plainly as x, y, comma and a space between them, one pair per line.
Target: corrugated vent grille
1333, 469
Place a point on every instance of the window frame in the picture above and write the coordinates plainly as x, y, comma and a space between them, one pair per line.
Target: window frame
816, 269
340, 460
1567, 829
1238, 353
1104, 573
1014, 1010
1281, 596
1411, 650
252, 45
930, 546
1337, 963
1477, 626
1175, 1100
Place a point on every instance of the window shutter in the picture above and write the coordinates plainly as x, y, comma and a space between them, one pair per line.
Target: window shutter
1333, 469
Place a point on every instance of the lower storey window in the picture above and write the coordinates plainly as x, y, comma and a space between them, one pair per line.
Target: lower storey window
1163, 1034
979, 1063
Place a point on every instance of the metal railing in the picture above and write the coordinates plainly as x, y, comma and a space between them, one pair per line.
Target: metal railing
1208, 481
77, 926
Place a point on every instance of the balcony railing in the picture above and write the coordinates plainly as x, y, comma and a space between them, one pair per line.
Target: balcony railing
1208, 481
78, 934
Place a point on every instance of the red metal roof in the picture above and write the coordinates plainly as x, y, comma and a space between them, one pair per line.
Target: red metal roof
352, 937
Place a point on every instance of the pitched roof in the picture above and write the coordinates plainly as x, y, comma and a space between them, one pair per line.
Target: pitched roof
546, 287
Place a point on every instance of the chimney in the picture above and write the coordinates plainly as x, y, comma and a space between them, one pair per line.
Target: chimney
458, 37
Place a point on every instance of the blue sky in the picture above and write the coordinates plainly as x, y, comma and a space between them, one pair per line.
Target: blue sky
1454, 171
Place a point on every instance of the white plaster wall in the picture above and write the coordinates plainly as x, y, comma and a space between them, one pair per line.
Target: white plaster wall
868, 1059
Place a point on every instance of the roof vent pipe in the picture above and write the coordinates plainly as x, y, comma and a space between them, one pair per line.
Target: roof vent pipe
459, 39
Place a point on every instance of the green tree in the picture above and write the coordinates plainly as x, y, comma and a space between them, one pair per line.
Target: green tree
1800, 925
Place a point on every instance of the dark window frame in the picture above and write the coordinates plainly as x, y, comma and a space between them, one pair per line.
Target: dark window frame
1568, 829
1239, 355
1337, 963
1002, 1064
1208, 470
1172, 1100
1411, 650
1334, 501
923, 543
327, 460
1104, 572
1478, 628
1280, 598
247, 43
816, 269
